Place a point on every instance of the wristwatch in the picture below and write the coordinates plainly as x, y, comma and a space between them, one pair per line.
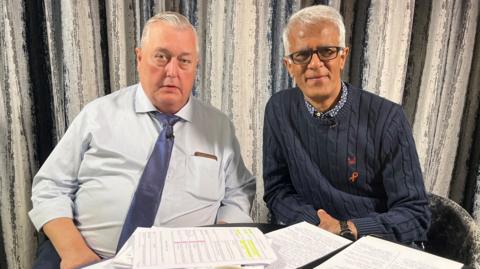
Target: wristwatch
345, 231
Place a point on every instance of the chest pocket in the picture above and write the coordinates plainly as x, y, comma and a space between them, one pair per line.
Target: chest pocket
202, 179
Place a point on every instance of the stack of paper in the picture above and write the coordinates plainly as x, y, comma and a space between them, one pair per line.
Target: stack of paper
370, 252
300, 245
194, 247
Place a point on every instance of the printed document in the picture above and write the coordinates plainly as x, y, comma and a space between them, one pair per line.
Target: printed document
371, 252
302, 243
158, 247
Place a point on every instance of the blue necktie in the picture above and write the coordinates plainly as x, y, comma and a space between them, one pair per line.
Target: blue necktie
146, 199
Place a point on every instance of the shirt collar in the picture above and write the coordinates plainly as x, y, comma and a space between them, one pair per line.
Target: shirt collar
332, 112
143, 105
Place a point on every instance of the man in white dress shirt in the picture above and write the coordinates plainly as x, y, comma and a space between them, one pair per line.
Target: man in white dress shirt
82, 193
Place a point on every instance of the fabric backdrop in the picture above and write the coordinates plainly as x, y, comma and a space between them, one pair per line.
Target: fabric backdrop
57, 55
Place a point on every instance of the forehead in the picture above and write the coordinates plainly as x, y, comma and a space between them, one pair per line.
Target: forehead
322, 33
173, 38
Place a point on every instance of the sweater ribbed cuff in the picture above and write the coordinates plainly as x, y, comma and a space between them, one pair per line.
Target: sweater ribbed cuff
367, 226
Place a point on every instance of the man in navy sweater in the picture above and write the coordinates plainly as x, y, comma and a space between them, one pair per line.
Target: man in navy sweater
334, 155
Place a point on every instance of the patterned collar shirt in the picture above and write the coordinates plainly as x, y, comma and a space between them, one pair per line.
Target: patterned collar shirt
332, 112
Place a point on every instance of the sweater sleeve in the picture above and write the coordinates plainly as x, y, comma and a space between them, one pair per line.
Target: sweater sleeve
285, 204
408, 215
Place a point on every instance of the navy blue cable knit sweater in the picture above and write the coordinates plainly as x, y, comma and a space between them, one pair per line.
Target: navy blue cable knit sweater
360, 165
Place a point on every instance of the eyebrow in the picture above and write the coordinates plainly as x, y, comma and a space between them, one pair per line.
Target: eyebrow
164, 50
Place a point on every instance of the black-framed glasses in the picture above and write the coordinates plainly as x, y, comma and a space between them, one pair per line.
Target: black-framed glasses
323, 53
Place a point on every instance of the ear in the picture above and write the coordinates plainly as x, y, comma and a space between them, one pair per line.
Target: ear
138, 53
343, 57
288, 65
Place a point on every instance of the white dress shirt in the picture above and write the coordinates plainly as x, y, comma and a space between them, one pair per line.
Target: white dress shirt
93, 172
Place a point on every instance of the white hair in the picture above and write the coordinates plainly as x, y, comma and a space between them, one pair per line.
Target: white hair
311, 16
171, 18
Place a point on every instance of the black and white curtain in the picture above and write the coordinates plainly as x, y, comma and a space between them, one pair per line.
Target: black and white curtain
57, 55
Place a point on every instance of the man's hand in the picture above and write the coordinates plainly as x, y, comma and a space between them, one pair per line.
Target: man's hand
69, 243
332, 225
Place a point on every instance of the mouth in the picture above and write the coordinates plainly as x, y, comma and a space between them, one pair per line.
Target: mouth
169, 87
317, 78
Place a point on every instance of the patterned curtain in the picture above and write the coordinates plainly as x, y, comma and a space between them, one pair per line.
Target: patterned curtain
57, 55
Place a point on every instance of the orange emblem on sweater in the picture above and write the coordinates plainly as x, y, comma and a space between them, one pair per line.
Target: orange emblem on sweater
353, 177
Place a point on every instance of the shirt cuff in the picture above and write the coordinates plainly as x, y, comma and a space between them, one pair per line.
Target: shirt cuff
231, 214
60, 207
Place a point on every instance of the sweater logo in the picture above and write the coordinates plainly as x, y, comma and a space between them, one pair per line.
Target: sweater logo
353, 178
351, 160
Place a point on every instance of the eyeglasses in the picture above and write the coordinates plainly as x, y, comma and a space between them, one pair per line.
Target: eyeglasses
323, 53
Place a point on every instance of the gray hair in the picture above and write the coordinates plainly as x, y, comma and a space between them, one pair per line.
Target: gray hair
313, 15
171, 18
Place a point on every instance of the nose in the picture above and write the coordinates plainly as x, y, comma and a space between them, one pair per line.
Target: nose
315, 62
172, 67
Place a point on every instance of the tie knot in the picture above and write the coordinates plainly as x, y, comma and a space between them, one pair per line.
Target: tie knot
166, 119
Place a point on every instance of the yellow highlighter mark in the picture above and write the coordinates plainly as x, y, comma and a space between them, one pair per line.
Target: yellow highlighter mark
253, 247
244, 245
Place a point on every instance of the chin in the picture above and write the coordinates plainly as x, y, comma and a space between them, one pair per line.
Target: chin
169, 104
317, 92
168, 96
